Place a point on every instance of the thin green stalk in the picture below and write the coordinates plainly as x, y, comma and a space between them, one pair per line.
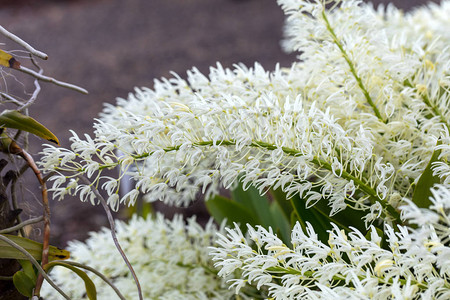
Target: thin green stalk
434, 109
309, 275
373, 197
317, 161
352, 68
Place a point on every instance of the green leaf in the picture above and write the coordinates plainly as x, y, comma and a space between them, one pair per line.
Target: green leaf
91, 290
28, 269
258, 205
261, 211
141, 208
296, 218
221, 208
32, 247
280, 197
23, 283
17, 120
422, 191
346, 218
281, 224
319, 222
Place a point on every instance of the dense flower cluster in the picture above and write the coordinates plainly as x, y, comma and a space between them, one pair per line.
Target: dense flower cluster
170, 258
356, 122
415, 264
358, 117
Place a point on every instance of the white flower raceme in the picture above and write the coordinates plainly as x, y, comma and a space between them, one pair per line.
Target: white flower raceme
362, 120
169, 257
353, 123
414, 264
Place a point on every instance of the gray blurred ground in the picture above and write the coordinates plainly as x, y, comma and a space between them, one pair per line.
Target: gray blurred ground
111, 46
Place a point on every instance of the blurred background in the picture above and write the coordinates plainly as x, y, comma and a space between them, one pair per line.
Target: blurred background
111, 46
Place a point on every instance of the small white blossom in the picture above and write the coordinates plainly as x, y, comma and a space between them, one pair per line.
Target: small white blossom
413, 265
353, 123
169, 257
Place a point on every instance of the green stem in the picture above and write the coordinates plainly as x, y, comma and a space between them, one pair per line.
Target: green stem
373, 197
309, 275
352, 68
434, 109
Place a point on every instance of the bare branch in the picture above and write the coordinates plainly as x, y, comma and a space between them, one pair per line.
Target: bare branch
21, 225
15, 149
52, 80
33, 97
37, 87
11, 99
103, 277
113, 231
24, 44
14, 196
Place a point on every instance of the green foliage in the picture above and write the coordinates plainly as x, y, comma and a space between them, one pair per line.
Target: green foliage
280, 213
23, 283
25, 279
221, 208
91, 290
249, 207
32, 247
17, 120
422, 191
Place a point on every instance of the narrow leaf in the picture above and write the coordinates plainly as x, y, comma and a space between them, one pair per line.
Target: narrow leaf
281, 223
16, 120
33, 247
91, 290
280, 197
265, 212
221, 208
422, 191
258, 205
317, 220
346, 218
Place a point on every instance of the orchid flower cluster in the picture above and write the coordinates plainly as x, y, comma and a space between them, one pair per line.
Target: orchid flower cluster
171, 258
356, 131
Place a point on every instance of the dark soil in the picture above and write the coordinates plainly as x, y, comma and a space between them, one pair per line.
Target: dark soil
111, 46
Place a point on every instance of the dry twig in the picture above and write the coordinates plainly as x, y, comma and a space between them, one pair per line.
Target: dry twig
22, 43
113, 232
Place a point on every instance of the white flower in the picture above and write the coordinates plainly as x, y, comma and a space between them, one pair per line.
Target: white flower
348, 117
354, 123
414, 263
169, 257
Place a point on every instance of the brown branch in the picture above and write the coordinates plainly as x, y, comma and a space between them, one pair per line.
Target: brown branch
14, 196
37, 87
35, 263
21, 225
15, 149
